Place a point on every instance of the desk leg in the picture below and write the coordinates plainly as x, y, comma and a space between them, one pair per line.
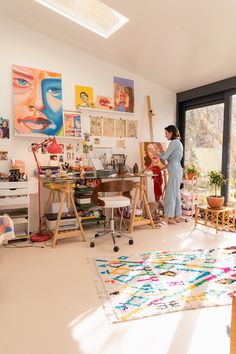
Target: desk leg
147, 209
50, 198
131, 225
58, 219
77, 217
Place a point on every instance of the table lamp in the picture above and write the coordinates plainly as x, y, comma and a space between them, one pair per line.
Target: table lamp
53, 148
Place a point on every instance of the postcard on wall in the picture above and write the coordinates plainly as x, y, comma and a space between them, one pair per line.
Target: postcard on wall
41, 117
132, 128
149, 152
4, 128
96, 141
108, 127
72, 124
3, 155
84, 96
123, 95
120, 144
103, 102
120, 128
96, 126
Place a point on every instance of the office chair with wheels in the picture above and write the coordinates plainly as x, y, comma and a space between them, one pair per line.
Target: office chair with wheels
123, 187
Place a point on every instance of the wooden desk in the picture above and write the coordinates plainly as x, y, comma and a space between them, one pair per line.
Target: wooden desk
219, 219
64, 191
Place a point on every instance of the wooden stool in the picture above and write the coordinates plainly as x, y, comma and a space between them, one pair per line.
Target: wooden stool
223, 218
64, 190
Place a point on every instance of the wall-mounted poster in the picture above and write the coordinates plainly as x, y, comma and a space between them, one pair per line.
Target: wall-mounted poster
132, 128
149, 152
120, 128
83, 96
37, 102
96, 126
4, 128
72, 124
103, 102
123, 95
108, 127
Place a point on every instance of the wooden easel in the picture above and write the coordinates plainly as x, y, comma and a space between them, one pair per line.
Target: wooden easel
150, 115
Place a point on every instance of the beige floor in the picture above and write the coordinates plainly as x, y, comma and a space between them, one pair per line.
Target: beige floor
49, 304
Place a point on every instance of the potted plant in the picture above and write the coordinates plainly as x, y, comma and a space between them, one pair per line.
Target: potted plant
192, 171
217, 180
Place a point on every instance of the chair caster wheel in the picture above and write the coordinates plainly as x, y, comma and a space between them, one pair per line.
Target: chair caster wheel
96, 235
92, 244
116, 248
131, 242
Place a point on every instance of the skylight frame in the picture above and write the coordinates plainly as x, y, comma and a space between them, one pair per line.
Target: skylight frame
122, 20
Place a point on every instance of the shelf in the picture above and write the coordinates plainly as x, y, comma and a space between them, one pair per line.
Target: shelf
108, 111
17, 221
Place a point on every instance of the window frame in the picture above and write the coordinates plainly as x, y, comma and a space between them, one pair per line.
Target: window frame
215, 93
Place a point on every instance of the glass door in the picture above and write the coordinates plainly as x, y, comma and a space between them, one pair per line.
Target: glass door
204, 137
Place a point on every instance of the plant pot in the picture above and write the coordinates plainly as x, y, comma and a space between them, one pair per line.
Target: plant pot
191, 176
215, 202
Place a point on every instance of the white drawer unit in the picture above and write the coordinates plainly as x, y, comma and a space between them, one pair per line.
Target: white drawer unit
14, 201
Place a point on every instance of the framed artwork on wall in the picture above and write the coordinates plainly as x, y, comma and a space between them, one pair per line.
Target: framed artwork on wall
37, 102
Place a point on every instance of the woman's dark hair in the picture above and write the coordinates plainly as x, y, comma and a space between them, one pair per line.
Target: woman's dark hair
175, 132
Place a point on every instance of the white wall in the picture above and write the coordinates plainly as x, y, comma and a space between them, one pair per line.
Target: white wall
21, 45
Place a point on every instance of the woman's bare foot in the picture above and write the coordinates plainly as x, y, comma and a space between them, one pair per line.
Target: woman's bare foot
178, 219
171, 221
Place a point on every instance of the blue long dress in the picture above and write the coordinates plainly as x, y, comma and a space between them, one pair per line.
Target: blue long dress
172, 201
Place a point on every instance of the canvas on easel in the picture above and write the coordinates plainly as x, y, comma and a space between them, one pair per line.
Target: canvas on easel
149, 154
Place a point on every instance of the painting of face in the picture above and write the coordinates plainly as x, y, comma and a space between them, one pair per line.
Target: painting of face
37, 101
123, 95
150, 152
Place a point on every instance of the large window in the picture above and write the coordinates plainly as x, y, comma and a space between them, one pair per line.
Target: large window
204, 137
206, 118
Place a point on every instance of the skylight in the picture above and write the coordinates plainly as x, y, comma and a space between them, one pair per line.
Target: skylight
91, 14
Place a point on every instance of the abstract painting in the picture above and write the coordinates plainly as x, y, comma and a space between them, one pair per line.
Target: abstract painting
37, 102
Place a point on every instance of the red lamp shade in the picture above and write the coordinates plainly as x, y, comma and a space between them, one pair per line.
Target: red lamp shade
54, 148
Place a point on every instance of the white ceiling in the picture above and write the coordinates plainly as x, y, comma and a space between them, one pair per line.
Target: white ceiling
178, 44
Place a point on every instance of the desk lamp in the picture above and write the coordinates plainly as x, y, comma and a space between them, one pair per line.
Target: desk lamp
53, 148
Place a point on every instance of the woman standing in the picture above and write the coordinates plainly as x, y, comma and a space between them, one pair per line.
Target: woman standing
173, 154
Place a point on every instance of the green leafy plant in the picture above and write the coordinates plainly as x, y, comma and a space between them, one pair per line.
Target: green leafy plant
192, 169
217, 180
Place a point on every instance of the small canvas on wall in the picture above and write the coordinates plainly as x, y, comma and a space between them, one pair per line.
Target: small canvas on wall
72, 124
83, 96
123, 95
103, 102
149, 153
4, 128
37, 102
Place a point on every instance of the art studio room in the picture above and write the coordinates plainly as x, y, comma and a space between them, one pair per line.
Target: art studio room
117, 177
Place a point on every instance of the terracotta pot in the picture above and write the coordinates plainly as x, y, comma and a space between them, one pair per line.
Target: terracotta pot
191, 176
215, 202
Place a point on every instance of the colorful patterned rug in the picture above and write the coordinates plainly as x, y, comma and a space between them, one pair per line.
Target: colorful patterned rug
159, 282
